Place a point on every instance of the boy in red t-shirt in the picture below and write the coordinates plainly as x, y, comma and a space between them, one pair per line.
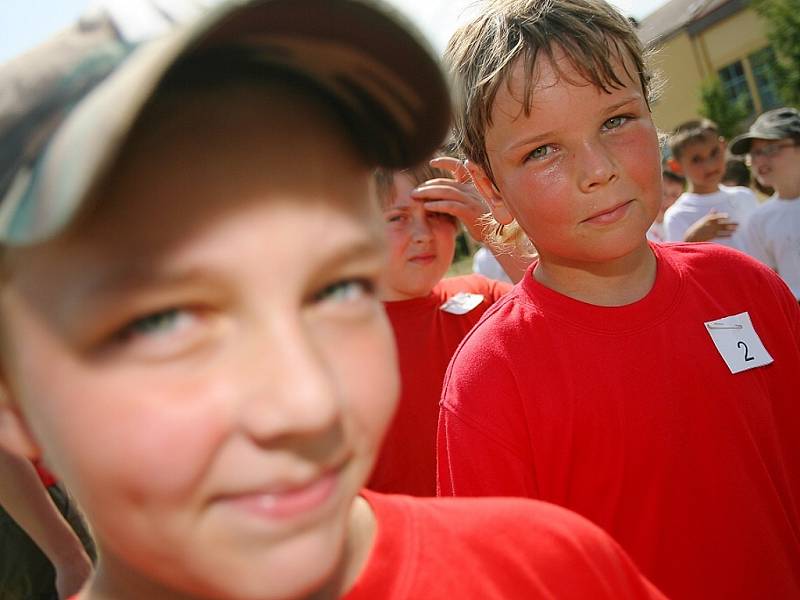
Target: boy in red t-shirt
430, 315
649, 387
190, 333
47, 551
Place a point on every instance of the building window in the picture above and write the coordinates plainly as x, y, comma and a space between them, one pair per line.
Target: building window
761, 64
734, 82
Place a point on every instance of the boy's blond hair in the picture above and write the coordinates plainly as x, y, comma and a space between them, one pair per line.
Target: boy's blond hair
690, 132
481, 54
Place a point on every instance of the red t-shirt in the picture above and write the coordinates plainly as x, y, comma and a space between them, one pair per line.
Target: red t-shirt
427, 336
629, 416
491, 549
45, 476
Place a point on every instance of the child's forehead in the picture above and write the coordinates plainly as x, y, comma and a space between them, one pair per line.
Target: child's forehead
702, 142
557, 67
400, 197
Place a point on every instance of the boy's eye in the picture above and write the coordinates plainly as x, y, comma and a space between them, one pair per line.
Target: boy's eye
615, 122
161, 335
396, 218
155, 323
440, 216
346, 290
541, 152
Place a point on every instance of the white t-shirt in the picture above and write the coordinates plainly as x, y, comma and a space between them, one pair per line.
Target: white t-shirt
656, 232
738, 202
772, 235
485, 263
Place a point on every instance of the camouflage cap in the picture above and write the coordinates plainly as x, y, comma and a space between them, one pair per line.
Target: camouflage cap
67, 106
772, 125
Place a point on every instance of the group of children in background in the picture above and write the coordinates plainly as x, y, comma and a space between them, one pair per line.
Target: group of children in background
225, 323
709, 198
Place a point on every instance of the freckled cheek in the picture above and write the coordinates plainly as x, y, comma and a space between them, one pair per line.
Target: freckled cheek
642, 161
365, 364
149, 440
397, 241
538, 198
445, 235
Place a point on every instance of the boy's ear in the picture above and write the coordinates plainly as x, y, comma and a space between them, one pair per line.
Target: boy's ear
490, 193
14, 433
674, 165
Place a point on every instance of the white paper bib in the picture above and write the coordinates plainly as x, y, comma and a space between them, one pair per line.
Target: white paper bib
461, 303
738, 343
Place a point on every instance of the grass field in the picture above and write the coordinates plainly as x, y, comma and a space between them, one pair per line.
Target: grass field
460, 267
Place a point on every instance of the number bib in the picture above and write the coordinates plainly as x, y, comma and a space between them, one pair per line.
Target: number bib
461, 303
738, 343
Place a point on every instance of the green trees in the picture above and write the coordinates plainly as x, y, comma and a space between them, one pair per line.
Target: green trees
783, 31
717, 106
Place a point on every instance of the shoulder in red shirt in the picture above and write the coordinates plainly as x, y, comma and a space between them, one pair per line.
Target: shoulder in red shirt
630, 417
427, 336
491, 549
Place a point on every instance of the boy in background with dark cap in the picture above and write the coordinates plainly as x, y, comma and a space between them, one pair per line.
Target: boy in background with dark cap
189, 330
772, 234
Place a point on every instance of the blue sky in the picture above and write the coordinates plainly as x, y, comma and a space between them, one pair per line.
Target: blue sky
25, 23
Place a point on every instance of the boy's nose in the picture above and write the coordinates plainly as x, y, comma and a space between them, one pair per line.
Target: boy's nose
292, 391
421, 230
596, 166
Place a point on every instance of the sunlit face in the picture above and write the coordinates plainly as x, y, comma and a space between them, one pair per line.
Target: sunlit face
703, 163
203, 359
779, 166
421, 244
580, 174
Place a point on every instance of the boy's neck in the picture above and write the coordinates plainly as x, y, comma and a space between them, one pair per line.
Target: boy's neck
702, 190
613, 283
789, 191
361, 535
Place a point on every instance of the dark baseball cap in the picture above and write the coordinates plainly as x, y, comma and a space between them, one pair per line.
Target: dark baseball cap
67, 107
775, 124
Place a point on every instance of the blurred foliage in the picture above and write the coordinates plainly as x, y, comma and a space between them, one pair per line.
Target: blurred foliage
715, 104
782, 18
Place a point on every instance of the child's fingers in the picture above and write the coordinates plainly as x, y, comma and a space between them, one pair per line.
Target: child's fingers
448, 192
447, 181
451, 207
724, 228
455, 166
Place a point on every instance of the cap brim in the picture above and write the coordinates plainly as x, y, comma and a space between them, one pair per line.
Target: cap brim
741, 144
369, 58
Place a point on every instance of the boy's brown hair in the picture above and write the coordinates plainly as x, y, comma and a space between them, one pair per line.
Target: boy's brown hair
419, 174
690, 132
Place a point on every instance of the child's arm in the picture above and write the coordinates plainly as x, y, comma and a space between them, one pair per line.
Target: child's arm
459, 198
26, 500
713, 225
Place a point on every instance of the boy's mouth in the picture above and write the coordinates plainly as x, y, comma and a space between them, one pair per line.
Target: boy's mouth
423, 259
285, 500
610, 215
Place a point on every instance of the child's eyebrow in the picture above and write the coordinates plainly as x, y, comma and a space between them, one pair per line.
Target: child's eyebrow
532, 140
109, 285
542, 137
624, 102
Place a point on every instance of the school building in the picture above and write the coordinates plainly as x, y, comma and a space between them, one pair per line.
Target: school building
696, 40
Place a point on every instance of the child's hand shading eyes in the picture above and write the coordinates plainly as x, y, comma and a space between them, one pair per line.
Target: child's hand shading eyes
456, 197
